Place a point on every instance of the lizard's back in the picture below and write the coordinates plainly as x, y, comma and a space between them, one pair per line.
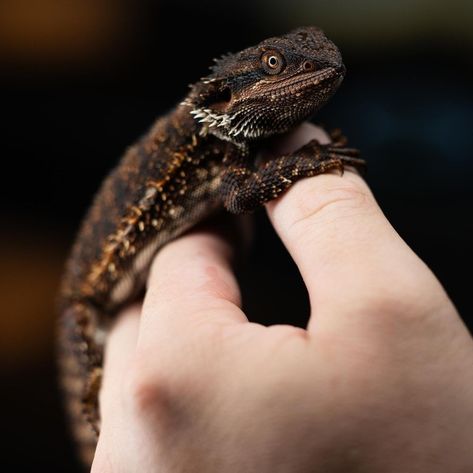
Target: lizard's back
161, 187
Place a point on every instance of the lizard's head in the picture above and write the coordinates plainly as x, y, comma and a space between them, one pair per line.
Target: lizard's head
269, 88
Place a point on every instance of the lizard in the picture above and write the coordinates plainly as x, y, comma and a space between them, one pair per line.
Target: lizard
200, 157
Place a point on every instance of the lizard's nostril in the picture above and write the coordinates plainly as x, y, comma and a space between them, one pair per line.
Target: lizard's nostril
308, 66
341, 69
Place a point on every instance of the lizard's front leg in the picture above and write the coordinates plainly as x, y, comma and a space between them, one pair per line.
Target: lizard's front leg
244, 189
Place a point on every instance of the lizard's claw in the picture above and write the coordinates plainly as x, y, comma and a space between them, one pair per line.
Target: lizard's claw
339, 140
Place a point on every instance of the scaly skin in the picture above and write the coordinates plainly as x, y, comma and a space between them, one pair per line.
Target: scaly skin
198, 158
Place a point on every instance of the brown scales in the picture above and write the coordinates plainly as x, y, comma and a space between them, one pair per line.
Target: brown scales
198, 158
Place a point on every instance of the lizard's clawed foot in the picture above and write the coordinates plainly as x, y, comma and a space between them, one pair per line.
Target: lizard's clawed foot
244, 189
330, 152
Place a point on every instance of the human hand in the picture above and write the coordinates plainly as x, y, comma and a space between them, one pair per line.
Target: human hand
380, 381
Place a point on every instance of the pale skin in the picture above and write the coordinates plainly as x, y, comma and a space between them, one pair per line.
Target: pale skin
381, 380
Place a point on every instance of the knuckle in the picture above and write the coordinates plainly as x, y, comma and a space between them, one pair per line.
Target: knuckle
162, 399
404, 299
330, 194
216, 282
145, 393
392, 303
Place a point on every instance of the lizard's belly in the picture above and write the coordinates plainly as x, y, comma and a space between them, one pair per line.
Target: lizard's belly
135, 270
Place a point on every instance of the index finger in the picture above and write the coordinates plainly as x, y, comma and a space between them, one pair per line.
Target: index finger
349, 255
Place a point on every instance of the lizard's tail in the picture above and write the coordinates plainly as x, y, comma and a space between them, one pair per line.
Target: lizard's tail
80, 376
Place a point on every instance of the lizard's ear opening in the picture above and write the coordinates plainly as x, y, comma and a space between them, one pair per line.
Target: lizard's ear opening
219, 99
211, 94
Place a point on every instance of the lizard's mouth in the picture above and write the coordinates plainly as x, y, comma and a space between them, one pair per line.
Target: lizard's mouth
306, 81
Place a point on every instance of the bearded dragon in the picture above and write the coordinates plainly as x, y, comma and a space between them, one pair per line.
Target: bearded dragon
198, 158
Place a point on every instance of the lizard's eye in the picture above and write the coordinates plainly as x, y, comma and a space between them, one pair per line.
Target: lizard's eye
273, 62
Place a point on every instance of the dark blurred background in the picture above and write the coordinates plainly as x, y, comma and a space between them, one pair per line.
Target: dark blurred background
82, 79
